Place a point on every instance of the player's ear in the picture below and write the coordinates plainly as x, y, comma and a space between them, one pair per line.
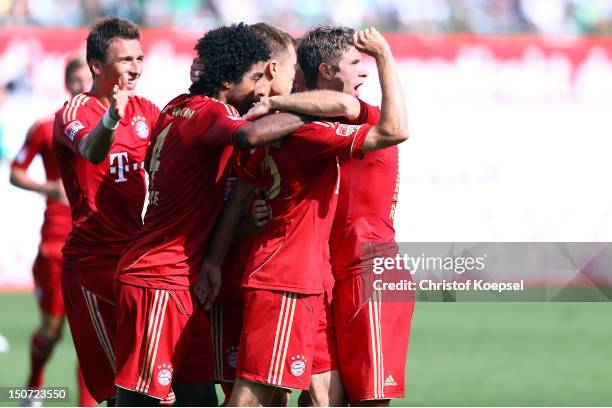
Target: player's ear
225, 85
95, 65
271, 69
326, 71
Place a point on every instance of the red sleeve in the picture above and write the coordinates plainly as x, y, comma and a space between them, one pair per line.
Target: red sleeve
327, 139
224, 128
247, 165
31, 147
73, 123
368, 114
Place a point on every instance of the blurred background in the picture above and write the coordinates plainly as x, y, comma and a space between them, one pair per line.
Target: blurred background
509, 106
556, 17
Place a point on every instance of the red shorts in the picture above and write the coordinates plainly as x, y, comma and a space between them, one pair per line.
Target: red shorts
325, 353
278, 337
163, 338
92, 317
372, 340
47, 271
226, 325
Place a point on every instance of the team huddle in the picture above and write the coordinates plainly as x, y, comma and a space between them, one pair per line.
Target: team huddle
270, 187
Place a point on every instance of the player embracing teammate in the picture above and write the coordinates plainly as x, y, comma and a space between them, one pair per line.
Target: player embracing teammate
372, 329
144, 329
285, 271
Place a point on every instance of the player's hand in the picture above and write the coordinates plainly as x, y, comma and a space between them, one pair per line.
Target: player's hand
371, 42
261, 211
55, 191
258, 110
119, 98
197, 67
208, 285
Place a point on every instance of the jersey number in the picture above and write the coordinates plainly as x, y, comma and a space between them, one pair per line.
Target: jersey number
270, 164
154, 164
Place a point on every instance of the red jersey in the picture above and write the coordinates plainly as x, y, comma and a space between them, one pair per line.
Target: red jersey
193, 142
106, 198
57, 223
366, 204
301, 177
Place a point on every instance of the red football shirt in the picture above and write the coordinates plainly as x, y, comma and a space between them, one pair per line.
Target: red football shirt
300, 175
106, 199
193, 142
57, 223
366, 204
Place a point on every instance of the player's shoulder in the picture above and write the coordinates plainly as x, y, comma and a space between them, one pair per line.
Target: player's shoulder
316, 126
75, 106
44, 123
224, 108
202, 105
142, 102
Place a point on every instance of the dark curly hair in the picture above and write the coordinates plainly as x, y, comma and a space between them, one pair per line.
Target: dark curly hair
227, 54
103, 31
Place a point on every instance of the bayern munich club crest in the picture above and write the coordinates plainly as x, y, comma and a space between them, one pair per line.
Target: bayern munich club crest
140, 126
164, 375
298, 365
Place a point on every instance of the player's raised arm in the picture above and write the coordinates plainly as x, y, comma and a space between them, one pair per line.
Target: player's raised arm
269, 129
319, 102
393, 126
96, 145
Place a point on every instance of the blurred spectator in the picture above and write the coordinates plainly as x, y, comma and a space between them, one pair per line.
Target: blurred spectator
549, 17
3, 92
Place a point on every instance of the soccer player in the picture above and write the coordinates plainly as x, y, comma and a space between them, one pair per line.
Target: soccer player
372, 334
164, 336
47, 267
100, 140
285, 271
326, 387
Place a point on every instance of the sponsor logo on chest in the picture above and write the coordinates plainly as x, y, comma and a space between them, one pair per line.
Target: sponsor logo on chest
120, 165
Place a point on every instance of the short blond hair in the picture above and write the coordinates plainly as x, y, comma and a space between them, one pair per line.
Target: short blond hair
277, 40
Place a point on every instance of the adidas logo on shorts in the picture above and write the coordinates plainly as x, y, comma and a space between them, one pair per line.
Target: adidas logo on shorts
389, 381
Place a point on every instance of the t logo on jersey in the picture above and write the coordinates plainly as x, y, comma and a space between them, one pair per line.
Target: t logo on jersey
122, 166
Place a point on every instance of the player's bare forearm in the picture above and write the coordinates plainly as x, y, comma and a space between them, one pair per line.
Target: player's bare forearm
393, 125
96, 145
228, 222
320, 102
51, 189
19, 178
269, 129
246, 229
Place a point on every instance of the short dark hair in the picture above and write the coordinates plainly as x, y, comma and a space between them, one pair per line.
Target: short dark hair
75, 62
276, 39
227, 53
322, 45
104, 30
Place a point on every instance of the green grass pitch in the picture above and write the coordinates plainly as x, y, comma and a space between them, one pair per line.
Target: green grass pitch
461, 354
